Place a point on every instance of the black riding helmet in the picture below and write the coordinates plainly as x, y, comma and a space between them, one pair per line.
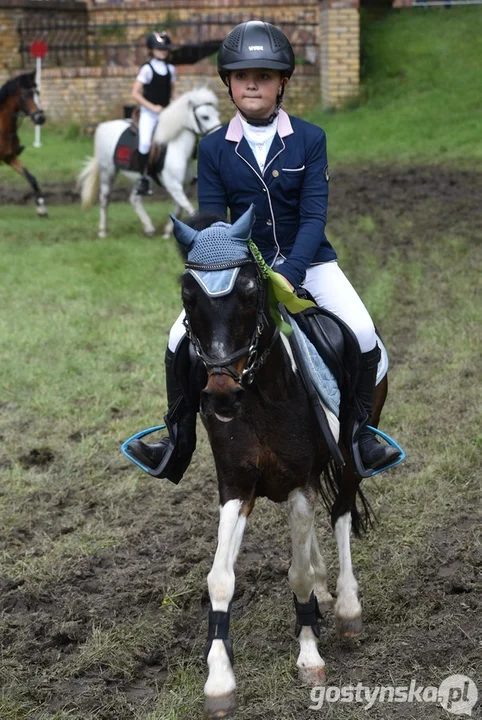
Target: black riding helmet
255, 44
158, 41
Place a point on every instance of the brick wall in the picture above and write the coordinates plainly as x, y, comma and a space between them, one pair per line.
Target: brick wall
8, 42
89, 95
16, 13
340, 51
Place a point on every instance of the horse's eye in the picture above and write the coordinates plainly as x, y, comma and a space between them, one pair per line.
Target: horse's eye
204, 117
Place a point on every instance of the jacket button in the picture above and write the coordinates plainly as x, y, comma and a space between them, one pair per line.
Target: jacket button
268, 222
275, 173
263, 189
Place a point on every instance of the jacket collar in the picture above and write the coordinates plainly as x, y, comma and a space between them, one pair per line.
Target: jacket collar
235, 129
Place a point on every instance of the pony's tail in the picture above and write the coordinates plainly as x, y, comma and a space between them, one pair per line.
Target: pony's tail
88, 183
330, 489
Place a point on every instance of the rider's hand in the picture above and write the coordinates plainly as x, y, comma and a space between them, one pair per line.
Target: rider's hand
157, 108
291, 287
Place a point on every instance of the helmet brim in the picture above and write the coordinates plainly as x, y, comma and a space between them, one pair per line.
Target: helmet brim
254, 63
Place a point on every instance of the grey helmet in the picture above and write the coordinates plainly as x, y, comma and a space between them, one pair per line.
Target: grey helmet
158, 41
255, 44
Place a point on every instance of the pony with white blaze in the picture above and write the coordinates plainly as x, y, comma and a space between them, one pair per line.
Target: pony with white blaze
191, 116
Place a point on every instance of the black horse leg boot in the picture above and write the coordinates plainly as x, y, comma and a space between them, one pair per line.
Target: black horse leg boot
143, 184
170, 457
373, 454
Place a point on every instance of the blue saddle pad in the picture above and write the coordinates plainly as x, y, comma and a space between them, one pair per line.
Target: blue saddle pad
323, 379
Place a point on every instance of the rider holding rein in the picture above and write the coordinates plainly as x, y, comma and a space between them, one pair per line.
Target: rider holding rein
152, 90
278, 163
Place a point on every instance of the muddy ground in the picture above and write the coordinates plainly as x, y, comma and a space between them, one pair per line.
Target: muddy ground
371, 190
434, 612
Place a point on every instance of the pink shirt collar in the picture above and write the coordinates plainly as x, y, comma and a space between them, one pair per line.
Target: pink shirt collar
235, 129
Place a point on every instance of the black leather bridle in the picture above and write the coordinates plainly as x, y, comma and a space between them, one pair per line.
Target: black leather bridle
225, 365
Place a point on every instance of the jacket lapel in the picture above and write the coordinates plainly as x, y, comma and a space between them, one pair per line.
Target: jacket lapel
277, 147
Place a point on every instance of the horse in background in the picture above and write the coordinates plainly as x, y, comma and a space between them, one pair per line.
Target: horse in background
191, 116
20, 96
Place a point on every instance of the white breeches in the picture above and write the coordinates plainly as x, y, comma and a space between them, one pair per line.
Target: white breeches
147, 124
333, 291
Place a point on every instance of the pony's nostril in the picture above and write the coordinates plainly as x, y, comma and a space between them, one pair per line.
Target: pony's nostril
225, 403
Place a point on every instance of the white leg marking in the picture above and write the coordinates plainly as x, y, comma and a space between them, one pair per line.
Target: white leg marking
104, 193
221, 580
321, 580
301, 576
347, 604
136, 202
41, 207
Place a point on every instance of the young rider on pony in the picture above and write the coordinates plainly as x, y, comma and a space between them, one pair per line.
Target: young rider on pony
279, 163
152, 90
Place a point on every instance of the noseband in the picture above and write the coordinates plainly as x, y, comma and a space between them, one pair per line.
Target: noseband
24, 93
198, 129
225, 366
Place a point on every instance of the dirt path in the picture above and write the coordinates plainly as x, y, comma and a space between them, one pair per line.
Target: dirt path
353, 191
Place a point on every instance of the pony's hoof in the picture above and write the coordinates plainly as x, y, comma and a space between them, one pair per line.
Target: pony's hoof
41, 209
149, 233
312, 676
102, 234
220, 707
349, 628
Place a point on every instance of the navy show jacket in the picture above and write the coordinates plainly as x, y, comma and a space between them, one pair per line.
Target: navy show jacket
290, 195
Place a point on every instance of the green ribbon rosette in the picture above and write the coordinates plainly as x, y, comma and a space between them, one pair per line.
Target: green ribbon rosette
279, 292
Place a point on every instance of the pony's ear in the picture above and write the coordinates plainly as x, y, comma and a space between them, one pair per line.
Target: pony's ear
184, 234
243, 225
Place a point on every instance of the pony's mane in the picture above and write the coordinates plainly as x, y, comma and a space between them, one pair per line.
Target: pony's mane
171, 119
26, 80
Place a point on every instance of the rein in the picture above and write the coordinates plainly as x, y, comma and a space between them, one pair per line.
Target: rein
225, 366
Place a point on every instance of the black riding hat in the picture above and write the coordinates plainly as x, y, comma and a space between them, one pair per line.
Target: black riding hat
255, 44
158, 41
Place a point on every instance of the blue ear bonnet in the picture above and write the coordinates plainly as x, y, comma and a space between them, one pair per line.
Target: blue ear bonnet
215, 245
218, 245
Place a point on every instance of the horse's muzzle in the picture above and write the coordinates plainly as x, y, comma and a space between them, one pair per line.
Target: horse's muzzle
38, 117
222, 397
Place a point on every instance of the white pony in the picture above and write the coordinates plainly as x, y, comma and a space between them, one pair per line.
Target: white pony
194, 114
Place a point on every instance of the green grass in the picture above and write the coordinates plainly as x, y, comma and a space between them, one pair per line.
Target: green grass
419, 98
59, 159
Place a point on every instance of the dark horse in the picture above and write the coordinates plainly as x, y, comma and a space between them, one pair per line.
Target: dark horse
19, 96
266, 443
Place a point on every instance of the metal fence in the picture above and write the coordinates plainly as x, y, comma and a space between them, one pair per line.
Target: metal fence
75, 42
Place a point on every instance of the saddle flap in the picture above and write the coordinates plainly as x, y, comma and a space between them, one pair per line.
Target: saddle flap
335, 343
126, 154
126, 148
